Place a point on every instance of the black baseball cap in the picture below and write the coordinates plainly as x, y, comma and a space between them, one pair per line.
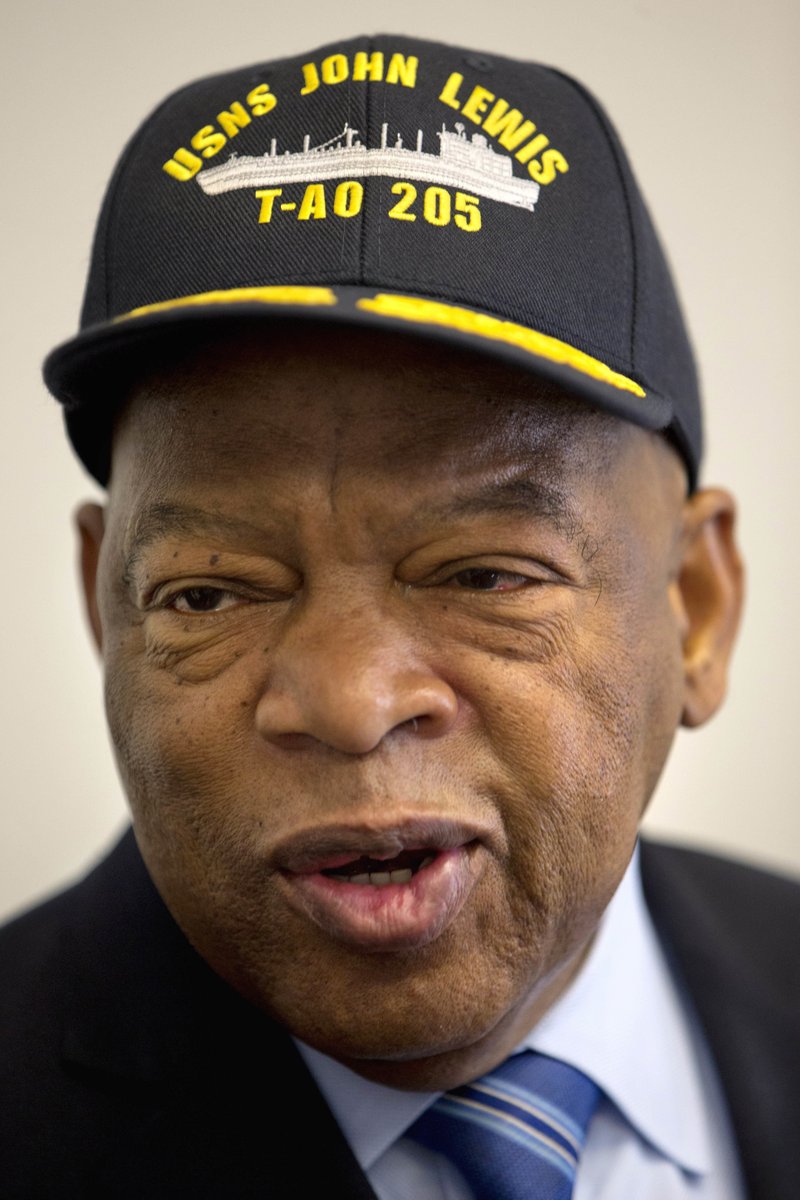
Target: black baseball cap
390, 182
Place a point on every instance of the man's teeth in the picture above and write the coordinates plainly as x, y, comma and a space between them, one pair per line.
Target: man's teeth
382, 878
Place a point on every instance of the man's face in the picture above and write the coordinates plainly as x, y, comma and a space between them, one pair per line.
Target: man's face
373, 609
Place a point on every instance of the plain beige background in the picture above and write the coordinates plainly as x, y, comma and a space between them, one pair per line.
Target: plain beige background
705, 94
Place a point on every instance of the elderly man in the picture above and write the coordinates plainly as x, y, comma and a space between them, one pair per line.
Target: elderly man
403, 586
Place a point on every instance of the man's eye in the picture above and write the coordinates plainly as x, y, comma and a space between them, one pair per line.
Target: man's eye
203, 600
486, 579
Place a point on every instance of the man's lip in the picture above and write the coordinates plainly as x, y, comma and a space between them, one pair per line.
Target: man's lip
394, 917
324, 847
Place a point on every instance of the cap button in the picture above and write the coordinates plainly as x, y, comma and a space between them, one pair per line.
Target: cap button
479, 62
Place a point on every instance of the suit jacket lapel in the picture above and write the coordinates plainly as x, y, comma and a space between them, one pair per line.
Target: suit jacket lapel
732, 933
210, 1095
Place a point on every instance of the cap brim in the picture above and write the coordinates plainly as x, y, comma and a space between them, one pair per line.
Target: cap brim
92, 371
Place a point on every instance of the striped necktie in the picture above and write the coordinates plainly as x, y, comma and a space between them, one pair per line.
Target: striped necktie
515, 1134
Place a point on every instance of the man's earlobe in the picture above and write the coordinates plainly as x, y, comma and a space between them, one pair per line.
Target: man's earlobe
709, 591
90, 524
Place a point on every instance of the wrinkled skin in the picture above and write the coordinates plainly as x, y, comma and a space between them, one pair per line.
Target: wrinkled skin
384, 634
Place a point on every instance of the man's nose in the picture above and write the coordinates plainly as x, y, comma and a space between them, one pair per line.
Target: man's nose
350, 681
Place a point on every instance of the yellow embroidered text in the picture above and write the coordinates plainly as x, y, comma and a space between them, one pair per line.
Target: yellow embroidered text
365, 68
211, 138
347, 201
512, 130
438, 205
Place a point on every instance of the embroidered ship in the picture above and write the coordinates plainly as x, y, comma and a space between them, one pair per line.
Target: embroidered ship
469, 165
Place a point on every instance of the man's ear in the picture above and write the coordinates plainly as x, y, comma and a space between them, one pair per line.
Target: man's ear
708, 592
90, 524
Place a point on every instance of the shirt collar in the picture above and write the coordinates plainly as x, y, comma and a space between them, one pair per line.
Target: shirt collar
622, 1022
369, 1115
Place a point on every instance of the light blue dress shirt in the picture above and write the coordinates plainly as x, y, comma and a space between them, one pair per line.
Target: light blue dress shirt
662, 1130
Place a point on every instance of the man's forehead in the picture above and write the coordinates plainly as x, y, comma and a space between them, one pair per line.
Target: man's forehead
356, 390
392, 431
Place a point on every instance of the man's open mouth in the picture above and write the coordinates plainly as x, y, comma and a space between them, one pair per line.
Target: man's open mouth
401, 868
387, 889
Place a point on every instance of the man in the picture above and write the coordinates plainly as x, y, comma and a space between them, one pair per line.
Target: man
403, 585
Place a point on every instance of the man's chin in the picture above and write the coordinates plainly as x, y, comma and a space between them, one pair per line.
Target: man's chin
424, 1066
435, 1044
434, 1032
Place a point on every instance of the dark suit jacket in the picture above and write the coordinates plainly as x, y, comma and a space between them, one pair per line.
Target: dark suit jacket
131, 1072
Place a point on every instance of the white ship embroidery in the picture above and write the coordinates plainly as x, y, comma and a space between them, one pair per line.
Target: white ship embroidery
469, 165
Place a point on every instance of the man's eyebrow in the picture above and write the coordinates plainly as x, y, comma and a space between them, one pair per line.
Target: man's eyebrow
519, 496
160, 521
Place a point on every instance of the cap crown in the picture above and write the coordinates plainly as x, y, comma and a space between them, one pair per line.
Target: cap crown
398, 164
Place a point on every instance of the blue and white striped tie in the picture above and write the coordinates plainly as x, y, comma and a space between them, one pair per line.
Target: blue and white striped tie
516, 1134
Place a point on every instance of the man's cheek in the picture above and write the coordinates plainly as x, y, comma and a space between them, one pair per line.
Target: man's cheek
572, 754
572, 718
173, 744
188, 651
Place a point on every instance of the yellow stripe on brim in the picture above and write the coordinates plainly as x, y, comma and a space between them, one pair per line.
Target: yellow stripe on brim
259, 295
466, 320
414, 309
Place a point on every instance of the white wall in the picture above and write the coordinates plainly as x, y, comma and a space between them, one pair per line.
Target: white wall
706, 97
